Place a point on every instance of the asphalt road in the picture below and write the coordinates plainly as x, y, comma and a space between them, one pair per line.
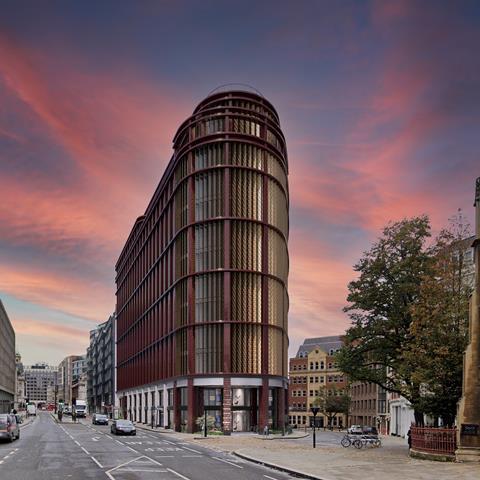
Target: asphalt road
50, 451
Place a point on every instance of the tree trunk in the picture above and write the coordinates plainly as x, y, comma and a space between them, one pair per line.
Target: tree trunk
419, 418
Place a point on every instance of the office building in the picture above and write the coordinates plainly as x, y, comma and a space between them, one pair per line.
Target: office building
202, 280
38, 378
314, 376
7, 362
101, 368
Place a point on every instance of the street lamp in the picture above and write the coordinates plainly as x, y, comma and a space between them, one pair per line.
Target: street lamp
314, 411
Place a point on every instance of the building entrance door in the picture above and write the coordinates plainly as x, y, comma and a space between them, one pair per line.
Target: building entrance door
241, 420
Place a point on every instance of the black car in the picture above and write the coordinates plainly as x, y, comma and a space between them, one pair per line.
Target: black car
123, 427
366, 430
99, 419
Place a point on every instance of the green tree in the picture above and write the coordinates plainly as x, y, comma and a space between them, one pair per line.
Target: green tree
381, 300
332, 405
439, 328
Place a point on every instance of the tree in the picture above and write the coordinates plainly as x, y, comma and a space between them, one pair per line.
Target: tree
381, 300
439, 328
331, 405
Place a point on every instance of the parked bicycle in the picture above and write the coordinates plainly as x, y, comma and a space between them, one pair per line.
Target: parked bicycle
360, 441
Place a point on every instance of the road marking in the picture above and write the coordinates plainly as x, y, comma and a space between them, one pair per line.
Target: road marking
165, 456
85, 450
77, 442
110, 472
190, 456
177, 474
118, 441
95, 439
226, 461
96, 461
192, 450
168, 441
271, 478
111, 438
132, 449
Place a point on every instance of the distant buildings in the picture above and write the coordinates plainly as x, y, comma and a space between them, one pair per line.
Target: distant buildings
314, 376
369, 406
202, 280
20, 398
7, 362
38, 378
101, 368
69, 372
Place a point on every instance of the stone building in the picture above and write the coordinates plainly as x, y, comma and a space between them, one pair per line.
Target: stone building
7, 362
313, 374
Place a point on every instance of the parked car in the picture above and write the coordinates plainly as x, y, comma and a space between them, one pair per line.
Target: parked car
9, 428
99, 419
355, 430
366, 430
125, 427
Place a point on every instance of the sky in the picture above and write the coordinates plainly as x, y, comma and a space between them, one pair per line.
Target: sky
379, 102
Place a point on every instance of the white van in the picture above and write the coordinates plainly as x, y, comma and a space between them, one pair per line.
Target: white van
31, 409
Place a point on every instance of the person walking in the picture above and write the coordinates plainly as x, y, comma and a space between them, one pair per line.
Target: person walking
74, 415
409, 437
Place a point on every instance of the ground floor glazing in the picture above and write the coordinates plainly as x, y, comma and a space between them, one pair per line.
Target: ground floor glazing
229, 404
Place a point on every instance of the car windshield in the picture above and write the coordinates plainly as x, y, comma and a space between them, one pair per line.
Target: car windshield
101, 417
124, 423
3, 419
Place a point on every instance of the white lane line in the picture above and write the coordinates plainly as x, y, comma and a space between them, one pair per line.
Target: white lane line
177, 474
111, 438
192, 450
132, 449
118, 441
168, 441
271, 478
165, 456
77, 442
191, 456
96, 461
85, 450
1, 461
226, 461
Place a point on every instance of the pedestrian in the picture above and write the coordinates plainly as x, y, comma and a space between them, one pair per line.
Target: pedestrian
265, 431
60, 415
409, 437
74, 415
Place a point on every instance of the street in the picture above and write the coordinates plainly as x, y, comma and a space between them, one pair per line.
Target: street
50, 451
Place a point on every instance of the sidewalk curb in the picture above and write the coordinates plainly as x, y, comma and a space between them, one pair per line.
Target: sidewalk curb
281, 468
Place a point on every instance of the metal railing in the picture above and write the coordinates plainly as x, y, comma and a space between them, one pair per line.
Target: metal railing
434, 440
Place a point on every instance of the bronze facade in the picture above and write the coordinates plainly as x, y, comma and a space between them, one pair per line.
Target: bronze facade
202, 279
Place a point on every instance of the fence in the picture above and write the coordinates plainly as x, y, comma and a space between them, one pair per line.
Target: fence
434, 440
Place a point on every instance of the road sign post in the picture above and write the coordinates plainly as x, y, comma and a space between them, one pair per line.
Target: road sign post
314, 411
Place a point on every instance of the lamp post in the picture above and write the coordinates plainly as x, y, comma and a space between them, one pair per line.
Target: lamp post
314, 411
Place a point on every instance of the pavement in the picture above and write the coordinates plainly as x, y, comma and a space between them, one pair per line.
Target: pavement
48, 450
330, 461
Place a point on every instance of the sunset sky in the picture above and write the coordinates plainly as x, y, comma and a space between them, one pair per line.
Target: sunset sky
379, 102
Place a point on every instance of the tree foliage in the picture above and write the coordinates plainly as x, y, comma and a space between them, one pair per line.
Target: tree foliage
390, 274
409, 312
331, 405
439, 328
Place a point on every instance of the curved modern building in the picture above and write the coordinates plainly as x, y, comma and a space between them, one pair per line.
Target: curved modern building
202, 297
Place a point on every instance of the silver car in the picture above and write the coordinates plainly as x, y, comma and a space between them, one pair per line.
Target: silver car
9, 429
